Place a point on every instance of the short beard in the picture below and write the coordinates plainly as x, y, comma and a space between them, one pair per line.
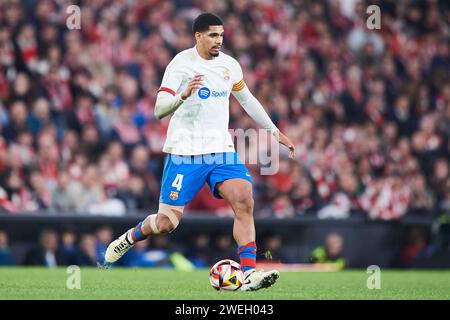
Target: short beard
215, 55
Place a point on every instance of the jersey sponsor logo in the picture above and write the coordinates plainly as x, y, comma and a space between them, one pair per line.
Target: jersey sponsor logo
221, 94
204, 93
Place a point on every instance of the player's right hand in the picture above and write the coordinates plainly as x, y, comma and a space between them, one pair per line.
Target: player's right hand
193, 85
284, 140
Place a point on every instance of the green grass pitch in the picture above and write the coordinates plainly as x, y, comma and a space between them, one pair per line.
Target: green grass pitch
163, 284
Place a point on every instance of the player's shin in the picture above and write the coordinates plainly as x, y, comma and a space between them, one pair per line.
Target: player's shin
142, 230
247, 256
136, 233
244, 233
165, 221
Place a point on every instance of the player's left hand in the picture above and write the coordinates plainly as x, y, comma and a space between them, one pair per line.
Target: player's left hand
287, 142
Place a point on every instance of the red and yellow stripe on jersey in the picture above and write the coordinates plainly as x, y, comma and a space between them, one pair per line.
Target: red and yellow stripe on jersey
238, 86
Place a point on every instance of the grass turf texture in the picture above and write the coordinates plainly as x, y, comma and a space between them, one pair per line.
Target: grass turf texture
156, 284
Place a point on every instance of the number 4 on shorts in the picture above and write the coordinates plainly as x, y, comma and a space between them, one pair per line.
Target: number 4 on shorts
178, 181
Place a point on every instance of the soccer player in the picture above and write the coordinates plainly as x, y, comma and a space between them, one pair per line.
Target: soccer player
196, 88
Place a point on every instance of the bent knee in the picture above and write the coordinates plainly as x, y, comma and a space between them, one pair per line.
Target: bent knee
164, 224
168, 217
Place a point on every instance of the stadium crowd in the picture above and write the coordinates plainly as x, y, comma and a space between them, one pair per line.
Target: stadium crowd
369, 110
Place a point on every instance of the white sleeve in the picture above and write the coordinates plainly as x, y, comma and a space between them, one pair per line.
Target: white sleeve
254, 109
173, 77
250, 104
166, 103
167, 100
236, 72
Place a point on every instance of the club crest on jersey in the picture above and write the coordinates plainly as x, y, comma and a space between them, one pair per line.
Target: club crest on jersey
226, 75
173, 195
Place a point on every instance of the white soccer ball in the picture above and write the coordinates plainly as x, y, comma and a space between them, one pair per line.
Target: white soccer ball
226, 275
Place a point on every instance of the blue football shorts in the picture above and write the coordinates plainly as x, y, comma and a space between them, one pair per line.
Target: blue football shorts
184, 176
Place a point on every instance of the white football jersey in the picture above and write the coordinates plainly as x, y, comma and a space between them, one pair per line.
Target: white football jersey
200, 124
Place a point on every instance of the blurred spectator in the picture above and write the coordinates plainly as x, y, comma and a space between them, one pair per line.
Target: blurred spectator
68, 249
62, 199
160, 251
403, 117
415, 246
339, 208
141, 256
303, 198
330, 252
40, 116
18, 115
91, 143
137, 256
441, 241
140, 165
88, 191
282, 207
136, 196
107, 111
21, 150
6, 258
82, 114
224, 247
48, 156
125, 129
200, 251
276, 250
422, 198
15, 195
41, 191
87, 254
78, 165
46, 252
387, 199
440, 176
22, 89
113, 168
104, 236
70, 144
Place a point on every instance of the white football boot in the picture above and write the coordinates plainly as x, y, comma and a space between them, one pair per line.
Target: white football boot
256, 280
118, 248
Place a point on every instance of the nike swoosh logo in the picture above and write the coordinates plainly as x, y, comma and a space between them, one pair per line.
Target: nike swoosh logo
247, 174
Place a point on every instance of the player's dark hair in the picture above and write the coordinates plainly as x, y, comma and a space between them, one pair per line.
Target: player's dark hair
203, 21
